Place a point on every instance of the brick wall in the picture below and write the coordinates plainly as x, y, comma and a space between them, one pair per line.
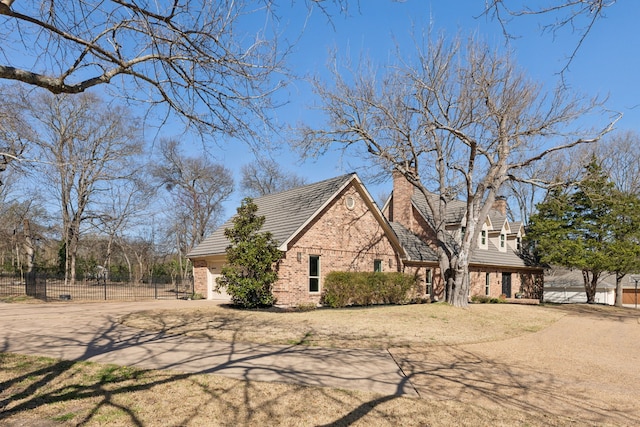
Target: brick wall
400, 207
344, 239
200, 277
529, 283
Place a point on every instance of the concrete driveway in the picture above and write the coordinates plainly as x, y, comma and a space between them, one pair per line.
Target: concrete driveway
90, 331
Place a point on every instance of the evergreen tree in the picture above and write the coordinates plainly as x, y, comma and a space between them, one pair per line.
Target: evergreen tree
249, 275
591, 227
625, 246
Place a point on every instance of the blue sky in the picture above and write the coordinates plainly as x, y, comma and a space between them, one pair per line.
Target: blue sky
607, 63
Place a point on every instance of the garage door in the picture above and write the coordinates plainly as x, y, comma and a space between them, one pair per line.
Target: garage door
212, 294
629, 296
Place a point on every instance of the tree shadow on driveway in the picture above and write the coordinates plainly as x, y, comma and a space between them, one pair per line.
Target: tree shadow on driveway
584, 368
106, 341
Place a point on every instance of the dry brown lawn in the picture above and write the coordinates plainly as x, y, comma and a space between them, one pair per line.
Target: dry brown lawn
370, 327
490, 365
45, 392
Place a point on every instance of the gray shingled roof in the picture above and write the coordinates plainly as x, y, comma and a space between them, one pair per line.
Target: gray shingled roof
515, 227
497, 219
456, 209
414, 247
417, 250
285, 213
560, 277
493, 256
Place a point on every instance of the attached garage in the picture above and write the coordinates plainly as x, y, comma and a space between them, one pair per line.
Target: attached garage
563, 293
563, 285
629, 296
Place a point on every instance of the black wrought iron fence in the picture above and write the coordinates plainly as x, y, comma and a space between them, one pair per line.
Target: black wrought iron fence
50, 287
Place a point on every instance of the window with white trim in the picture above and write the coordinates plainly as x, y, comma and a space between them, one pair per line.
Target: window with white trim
487, 284
428, 279
314, 273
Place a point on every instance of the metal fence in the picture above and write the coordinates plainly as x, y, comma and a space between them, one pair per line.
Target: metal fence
49, 287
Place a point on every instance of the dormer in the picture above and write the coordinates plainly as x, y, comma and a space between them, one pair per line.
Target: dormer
504, 232
483, 237
514, 238
498, 235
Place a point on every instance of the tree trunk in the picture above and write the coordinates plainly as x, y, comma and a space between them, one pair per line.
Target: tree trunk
590, 285
28, 246
460, 268
72, 253
619, 277
460, 295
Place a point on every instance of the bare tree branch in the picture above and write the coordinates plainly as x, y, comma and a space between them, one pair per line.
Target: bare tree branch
580, 15
461, 121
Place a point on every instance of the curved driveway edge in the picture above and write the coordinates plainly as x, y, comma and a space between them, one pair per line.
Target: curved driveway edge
90, 331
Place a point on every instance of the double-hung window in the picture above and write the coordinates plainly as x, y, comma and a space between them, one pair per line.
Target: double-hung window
487, 284
429, 281
314, 273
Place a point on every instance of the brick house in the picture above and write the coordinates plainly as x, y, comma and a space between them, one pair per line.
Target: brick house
334, 225
496, 267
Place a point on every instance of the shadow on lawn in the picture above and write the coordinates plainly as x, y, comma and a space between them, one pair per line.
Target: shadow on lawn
439, 374
48, 384
599, 311
456, 374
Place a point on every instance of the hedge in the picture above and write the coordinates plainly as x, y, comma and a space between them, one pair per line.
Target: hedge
367, 288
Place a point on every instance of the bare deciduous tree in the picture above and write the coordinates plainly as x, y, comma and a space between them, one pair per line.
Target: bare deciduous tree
121, 209
197, 188
534, 181
460, 122
580, 15
22, 224
213, 63
14, 131
265, 176
619, 156
84, 146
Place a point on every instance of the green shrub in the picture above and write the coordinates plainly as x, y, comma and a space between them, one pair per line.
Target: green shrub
484, 299
306, 306
480, 299
367, 288
337, 289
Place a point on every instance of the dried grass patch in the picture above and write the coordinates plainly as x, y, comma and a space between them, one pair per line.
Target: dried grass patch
371, 327
43, 392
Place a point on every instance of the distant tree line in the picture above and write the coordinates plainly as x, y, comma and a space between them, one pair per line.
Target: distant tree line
90, 193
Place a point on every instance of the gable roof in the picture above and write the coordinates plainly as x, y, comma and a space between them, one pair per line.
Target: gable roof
516, 227
498, 220
286, 213
415, 248
456, 209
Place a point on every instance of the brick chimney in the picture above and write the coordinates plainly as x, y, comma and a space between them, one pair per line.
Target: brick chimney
500, 205
401, 209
